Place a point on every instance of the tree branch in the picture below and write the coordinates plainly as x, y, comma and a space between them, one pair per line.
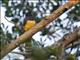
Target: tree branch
75, 44
37, 28
68, 39
72, 37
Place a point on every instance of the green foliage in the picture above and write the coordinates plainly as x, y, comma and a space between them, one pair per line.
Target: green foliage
15, 29
37, 19
38, 52
56, 51
5, 38
15, 20
45, 31
5, 2
75, 13
9, 13
71, 57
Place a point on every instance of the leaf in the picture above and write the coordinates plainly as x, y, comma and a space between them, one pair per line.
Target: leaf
45, 31
71, 57
37, 19
39, 54
15, 20
5, 2
8, 13
15, 29
56, 51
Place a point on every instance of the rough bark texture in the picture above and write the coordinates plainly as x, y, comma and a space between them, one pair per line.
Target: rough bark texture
72, 37
37, 28
66, 41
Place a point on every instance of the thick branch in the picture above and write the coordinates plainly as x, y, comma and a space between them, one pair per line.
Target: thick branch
74, 45
72, 37
68, 39
37, 28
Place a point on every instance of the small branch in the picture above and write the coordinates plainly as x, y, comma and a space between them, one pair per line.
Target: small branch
70, 38
76, 43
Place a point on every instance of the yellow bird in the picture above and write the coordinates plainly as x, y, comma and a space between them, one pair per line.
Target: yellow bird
29, 24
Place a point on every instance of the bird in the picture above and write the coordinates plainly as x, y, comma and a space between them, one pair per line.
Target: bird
29, 24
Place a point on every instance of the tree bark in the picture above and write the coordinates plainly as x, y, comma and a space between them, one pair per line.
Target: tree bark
66, 41
72, 37
37, 27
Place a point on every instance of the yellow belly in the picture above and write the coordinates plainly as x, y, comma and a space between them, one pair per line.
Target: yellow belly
29, 24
